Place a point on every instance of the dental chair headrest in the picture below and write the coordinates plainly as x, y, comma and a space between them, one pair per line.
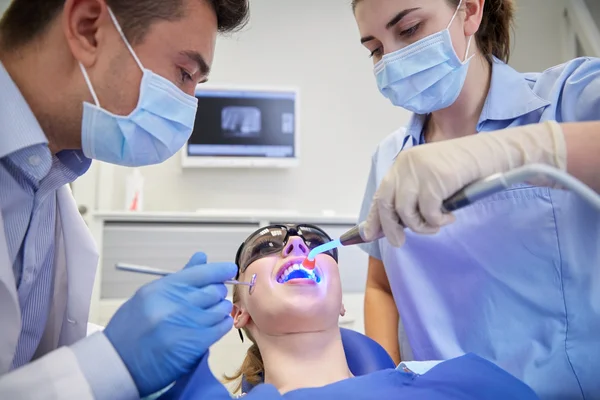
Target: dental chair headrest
363, 354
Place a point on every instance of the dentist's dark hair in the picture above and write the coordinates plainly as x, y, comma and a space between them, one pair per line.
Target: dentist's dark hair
26, 20
252, 368
494, 34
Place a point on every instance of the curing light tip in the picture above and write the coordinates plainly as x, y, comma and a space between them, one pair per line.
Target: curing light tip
308, 264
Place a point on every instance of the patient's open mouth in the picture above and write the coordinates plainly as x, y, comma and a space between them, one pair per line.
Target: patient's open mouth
295, 270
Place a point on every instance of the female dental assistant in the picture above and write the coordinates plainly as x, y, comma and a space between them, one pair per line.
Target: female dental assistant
516, 277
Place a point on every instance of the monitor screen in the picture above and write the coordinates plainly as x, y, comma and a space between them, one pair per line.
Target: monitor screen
236, 123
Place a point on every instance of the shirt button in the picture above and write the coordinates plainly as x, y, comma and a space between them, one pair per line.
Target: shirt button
34, 161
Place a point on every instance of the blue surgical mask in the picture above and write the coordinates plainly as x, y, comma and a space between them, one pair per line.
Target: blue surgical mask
425, 76
156, 129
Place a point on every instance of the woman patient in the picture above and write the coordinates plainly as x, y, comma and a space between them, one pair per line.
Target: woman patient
291, 317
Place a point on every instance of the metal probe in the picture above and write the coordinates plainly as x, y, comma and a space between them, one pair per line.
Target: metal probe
159, 272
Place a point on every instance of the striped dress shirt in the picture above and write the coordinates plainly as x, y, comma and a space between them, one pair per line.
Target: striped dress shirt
29, 178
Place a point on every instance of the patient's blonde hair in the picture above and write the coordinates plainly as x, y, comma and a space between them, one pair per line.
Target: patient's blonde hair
252, 368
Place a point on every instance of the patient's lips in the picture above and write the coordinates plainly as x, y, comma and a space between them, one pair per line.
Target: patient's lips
293, 272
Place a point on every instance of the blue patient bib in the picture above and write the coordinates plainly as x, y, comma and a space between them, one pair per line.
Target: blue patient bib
465, 378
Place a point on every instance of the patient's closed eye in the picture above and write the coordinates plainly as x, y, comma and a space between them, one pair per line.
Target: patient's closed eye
314, 241
264, 246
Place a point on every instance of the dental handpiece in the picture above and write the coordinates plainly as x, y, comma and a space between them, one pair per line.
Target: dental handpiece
159, 272
489, 186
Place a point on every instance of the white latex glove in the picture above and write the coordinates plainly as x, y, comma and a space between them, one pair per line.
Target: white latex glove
422, 177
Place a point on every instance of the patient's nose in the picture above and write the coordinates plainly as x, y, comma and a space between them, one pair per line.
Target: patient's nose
295, 246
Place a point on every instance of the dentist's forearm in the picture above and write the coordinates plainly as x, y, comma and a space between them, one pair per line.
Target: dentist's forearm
583, 152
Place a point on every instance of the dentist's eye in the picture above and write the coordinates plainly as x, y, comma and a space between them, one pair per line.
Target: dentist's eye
184, 75
410, 31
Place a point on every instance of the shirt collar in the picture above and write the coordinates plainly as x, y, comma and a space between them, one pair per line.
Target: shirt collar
20, 129
509, 97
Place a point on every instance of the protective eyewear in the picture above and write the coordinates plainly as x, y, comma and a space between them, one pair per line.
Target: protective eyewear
272, 239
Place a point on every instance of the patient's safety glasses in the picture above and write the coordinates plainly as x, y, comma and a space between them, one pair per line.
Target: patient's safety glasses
272, 239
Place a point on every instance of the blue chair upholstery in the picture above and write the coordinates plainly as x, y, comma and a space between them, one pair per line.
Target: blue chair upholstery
364, 355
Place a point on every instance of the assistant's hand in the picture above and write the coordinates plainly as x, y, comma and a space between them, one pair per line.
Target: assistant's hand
167, 326
412, 193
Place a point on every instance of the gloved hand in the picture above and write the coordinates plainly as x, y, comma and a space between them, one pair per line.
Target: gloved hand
412, 193
167, 326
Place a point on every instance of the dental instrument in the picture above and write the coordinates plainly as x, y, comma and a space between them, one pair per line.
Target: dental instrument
159, 272
475, 192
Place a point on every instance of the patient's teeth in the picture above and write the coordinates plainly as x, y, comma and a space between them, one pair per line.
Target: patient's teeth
295, 267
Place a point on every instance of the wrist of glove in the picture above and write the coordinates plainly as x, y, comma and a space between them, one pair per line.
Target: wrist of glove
412, 193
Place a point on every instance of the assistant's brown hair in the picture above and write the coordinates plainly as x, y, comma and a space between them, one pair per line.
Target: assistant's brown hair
252, 368
494, 35
25, 20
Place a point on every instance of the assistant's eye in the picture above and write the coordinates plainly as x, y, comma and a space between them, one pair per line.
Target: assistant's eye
375, 53
410, 31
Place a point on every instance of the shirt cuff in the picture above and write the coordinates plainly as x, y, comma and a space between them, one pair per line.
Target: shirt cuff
103, 368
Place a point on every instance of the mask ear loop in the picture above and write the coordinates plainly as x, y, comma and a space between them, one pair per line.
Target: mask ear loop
470, 37
118, 26
89, 84
454, 16
467, 51
129, 48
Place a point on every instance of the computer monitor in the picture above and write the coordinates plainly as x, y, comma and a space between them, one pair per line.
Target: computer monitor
244, 127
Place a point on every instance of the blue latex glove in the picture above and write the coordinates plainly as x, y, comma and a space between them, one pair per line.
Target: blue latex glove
163, 331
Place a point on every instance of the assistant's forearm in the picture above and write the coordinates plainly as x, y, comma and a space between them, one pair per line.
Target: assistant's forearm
381, 320
583, 152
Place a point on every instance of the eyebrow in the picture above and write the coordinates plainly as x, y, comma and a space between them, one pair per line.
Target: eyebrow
198, 59
391, 23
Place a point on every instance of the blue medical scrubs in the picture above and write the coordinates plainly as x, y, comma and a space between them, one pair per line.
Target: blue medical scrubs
465, 378
517, 278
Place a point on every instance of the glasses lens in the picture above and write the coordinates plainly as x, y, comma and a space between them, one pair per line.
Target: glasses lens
265, 242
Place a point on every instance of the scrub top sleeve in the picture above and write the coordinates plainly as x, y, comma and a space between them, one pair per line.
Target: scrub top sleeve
371, 249
103, 368
580, 91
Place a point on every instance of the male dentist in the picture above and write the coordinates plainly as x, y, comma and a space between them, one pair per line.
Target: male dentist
111, 80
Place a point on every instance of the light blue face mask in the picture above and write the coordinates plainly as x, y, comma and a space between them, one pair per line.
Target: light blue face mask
425, 76
157, 128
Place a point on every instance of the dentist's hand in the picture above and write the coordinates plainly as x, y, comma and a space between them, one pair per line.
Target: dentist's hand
168, 325
412, 193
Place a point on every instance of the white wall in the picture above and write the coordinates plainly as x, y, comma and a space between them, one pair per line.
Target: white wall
3, 5
538, 38
594, 6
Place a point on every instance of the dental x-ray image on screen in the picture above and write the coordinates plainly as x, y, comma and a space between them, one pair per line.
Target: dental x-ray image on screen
243, 124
